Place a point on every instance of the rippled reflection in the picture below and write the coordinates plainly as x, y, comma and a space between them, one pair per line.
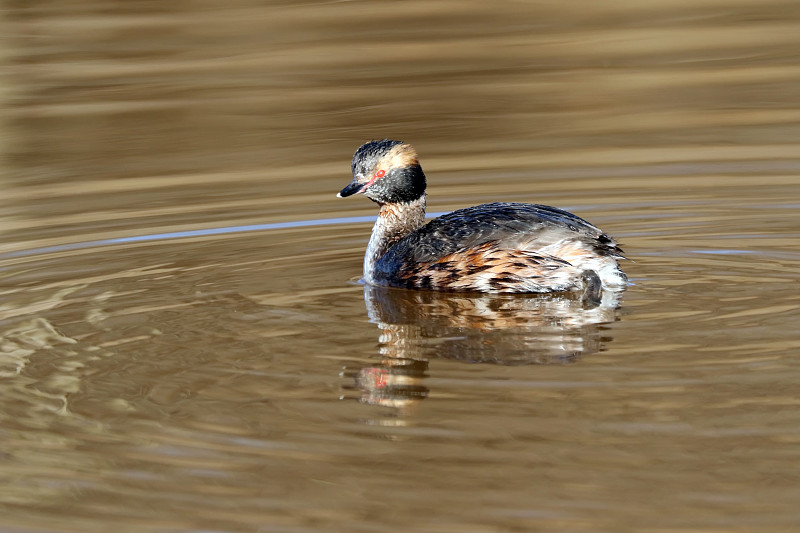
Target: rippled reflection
417, 326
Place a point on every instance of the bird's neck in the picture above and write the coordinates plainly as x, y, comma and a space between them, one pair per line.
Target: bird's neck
395, 221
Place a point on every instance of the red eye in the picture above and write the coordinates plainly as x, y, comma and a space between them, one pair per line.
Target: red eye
380, 173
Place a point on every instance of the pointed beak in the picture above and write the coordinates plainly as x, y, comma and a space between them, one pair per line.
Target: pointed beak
353, 188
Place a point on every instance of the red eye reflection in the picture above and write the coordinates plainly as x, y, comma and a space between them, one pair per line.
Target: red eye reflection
380, 173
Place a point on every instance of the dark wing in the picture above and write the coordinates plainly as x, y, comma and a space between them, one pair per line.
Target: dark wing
500, 247
507, 223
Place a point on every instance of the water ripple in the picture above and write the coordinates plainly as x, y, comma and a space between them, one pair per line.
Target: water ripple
169, 235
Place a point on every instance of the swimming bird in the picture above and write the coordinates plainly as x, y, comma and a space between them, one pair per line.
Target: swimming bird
502, 247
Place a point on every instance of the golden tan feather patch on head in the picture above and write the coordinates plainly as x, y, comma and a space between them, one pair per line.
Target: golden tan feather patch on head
402, 155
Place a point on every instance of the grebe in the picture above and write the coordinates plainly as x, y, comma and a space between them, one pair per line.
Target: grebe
499, 247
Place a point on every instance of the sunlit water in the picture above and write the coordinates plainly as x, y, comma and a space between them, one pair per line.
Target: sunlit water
185, 344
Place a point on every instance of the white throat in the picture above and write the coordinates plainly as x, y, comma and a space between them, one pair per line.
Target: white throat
395, 221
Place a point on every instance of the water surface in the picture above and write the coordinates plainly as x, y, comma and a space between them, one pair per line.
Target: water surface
185, 344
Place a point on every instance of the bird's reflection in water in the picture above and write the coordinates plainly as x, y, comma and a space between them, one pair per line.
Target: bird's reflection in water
417, 326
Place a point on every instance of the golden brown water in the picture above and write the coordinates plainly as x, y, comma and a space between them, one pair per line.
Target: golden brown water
184, 346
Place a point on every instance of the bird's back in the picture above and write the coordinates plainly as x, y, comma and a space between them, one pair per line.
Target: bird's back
502, 247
